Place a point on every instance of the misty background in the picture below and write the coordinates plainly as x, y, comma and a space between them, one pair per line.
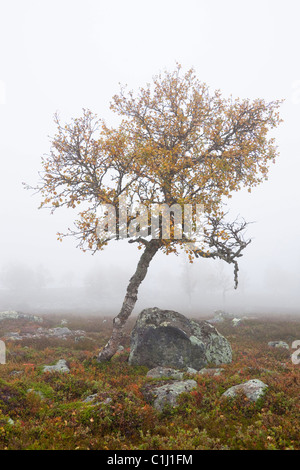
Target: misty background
67, 55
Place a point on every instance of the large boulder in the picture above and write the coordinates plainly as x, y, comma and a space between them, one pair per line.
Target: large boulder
169, 339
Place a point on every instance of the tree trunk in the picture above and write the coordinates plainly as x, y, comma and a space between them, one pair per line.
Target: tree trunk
129, 302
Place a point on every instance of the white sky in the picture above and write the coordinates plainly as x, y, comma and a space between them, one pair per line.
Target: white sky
69, 54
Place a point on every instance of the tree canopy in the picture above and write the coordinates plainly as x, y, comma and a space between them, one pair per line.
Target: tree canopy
177, 143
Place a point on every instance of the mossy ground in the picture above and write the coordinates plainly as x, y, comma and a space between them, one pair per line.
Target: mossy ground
60, 420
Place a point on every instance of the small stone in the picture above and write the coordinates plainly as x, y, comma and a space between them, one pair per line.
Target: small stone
60, 366
166, 395
253, 389
91, 398
16, 372
107, 401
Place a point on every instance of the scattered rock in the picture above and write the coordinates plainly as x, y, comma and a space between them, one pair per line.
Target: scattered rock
211, 372
166, 395
120, 348
159, 372
60, 366
13, 315
169, 339
278, 344
253, 389
58, 332
13, 336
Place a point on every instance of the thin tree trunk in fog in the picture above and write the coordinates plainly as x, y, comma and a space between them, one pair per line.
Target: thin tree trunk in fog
129, 302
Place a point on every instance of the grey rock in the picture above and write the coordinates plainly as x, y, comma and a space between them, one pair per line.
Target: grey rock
159, 372
191, 371
278, 344
60, 366
169, 339
253, 389
61, 331
167, 395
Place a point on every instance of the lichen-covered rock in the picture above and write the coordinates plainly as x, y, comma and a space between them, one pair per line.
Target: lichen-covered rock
60, 366
253, 389
169, 339
166, 395
159, 372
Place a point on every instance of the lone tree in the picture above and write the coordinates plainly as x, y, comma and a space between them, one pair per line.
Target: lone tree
177, 144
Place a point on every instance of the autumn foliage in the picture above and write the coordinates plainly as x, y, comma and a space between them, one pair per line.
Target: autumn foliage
177, 143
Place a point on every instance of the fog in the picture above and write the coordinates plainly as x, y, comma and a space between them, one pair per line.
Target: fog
68, 55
